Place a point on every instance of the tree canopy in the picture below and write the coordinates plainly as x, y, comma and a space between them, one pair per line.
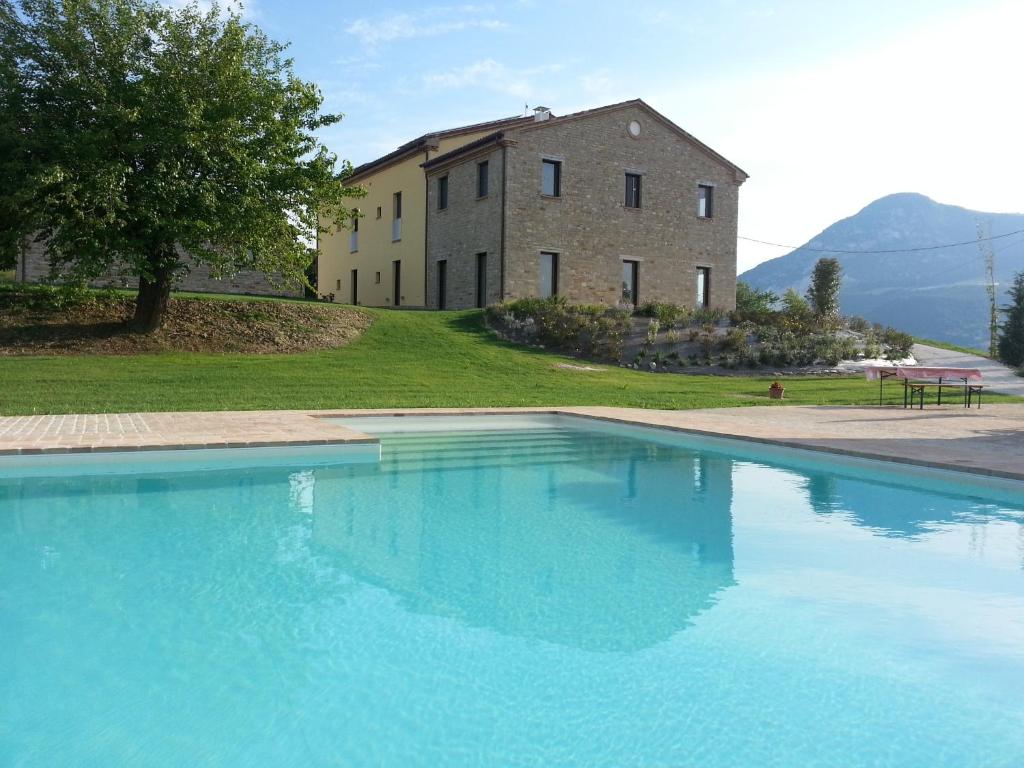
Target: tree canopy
1011, 331
139, 132
823, 292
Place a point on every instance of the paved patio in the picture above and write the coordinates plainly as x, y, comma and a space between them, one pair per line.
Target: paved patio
987, 441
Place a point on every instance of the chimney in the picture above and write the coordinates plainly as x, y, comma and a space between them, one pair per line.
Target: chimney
540, 114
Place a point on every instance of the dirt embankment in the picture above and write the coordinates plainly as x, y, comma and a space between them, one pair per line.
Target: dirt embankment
34, 324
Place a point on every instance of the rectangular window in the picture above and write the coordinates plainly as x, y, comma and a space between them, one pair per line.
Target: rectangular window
548, 285
442, 284
442, 193
396, 272
376, 278
380, 212
355, 286
481, 280
633, 190
551, 178
482, 171
353, 236
705, 201
339, 284
396, 216
703, 286
631, 282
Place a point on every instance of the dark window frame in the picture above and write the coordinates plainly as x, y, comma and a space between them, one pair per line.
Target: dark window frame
481, 279
705, 273
634, 265
483, 178
442, 193
555, 259
706, 195
396, 282
556, 178
634, 190
442, 284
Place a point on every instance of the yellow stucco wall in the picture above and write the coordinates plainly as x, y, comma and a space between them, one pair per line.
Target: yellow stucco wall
377, 251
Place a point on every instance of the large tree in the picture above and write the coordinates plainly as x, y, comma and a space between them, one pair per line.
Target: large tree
146, 131
1011, 332
823, 292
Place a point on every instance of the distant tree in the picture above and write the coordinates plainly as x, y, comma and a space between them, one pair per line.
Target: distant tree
1011, 332
823, 292
752, 303
143, 130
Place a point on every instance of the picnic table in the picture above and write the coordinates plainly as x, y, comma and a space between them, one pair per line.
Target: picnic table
917, 378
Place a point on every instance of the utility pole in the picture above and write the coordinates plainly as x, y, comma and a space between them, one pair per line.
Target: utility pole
985, 244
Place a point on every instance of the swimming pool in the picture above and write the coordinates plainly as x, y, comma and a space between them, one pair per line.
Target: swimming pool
510, 591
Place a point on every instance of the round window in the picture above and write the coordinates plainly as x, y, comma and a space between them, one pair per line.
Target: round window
634, 128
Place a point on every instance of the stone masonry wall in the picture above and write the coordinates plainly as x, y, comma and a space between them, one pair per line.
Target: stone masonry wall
34, 267
468, 226
592, 230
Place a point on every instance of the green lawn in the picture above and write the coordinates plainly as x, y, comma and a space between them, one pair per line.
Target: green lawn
952, 347
406, 359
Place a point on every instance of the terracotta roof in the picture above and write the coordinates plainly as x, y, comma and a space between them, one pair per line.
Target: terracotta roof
430, 141
528, 124
654, 113
483, 141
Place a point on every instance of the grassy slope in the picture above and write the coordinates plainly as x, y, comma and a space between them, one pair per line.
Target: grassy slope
951, 347
406, 359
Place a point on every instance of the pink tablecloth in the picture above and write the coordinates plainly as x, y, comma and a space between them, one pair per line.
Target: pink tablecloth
875, 372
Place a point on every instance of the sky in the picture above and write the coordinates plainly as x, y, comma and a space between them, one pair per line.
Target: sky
827, 104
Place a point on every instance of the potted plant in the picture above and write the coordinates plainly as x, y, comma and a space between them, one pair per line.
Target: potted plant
776, 390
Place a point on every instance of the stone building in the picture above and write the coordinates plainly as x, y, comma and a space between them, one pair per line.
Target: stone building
33, 266
615, 205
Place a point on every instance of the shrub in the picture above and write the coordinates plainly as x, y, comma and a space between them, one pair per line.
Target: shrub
585, 328
667, 314
736, 340
896, 345
653, 327
708, 316
858, 324
753, 304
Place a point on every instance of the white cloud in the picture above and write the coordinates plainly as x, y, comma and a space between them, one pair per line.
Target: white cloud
427, 23
492, 75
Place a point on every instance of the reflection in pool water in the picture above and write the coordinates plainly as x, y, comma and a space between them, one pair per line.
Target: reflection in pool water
544, 596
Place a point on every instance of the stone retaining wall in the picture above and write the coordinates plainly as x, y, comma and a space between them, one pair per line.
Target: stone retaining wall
33, 266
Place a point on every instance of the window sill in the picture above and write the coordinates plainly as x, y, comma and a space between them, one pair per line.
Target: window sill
550, 197
482, 197
705, 218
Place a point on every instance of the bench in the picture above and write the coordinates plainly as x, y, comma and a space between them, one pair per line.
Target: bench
912, 389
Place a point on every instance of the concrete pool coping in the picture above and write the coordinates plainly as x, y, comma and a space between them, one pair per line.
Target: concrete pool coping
987, 442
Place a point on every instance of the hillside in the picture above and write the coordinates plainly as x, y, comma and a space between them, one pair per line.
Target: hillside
939, 294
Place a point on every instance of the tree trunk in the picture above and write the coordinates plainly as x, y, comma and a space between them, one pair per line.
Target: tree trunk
151, 301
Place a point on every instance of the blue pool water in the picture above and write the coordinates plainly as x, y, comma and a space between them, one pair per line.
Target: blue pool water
541, 592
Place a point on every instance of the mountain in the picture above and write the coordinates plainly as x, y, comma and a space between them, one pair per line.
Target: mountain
938, 294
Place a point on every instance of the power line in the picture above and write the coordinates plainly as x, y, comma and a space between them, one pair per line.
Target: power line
889, 250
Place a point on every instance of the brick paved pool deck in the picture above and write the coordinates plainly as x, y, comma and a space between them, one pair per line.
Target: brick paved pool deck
989, 441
